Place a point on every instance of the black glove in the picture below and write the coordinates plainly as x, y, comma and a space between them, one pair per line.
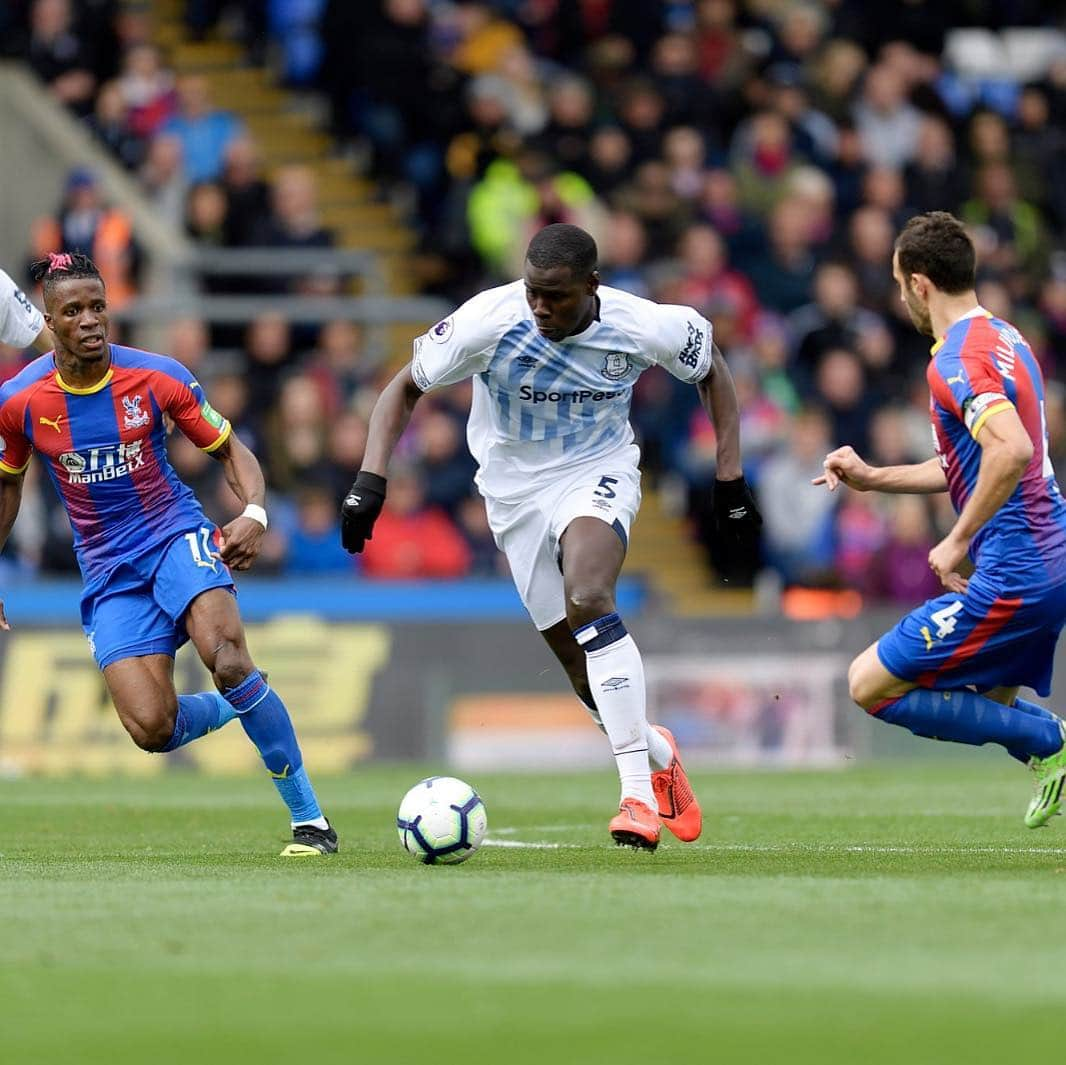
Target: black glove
360, 510
737, 520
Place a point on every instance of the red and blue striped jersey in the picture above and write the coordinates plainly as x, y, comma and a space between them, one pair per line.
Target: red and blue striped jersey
105, 449
983, 365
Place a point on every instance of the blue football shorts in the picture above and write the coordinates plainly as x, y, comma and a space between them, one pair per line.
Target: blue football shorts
980, 639
141, 609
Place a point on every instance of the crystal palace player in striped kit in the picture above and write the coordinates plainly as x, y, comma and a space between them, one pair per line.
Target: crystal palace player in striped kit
951, 669
554, 358
156, 572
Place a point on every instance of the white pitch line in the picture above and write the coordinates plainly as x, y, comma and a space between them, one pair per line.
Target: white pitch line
786, 848
516, 843
830, 848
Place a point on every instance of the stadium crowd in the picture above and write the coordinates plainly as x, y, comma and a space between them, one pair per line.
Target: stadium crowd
753, 159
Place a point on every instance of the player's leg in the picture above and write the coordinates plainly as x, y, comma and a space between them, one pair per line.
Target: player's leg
592, 555
155, 716
214, 626
936, 674
133, 642
677, 805
560, 639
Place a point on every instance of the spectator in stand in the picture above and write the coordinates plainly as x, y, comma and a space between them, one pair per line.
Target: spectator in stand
762, 160
798, 528
740, 229
59, 56
147, 89
934, 181
188, 342
1016, 225
870, 237
651, 197
84, 223
110, 122
623, 257
688, 99
205, 214
848, 169
833, 320
294, 434
609, 162
642, 113
314, 544
268, 346
247, 194
685, 154
204, 131
163, 179
782, 277
446, 465
344, 450
841, 384
567, 135
904, 559
486, 559
412, 541
887, 123
708, 278
337, 365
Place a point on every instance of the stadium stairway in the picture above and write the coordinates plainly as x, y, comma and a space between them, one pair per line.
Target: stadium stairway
662, 551
286, 131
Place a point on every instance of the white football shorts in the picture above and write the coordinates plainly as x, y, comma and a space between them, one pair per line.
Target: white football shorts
528, 531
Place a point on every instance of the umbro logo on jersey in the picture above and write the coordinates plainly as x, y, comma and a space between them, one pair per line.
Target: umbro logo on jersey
54, 424
527, 360
352, 500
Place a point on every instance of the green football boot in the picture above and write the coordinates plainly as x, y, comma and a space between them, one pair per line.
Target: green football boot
1049, 775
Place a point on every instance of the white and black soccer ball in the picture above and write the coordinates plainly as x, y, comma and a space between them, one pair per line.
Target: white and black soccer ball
441, 820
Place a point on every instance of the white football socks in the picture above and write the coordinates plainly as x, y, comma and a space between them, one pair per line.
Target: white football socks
660, 754
616, 677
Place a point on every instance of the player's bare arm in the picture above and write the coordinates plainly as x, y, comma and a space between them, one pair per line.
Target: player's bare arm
719, 397
845, 466
242, 538
10, 501
389, 419
43, 341
1006, 451
736, 512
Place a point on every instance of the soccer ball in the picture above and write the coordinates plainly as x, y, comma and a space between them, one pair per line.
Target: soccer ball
441, 819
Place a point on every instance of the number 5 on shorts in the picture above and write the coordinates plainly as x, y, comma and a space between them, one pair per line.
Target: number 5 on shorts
604, 490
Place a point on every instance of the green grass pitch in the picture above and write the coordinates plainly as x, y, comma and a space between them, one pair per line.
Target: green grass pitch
897, 913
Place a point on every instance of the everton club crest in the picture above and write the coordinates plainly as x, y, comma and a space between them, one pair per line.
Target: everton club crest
615, 365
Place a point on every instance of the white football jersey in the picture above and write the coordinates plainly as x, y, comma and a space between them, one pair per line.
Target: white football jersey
541, 406
20, 321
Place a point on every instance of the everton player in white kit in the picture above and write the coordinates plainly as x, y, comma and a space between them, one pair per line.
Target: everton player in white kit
554, 357
21, 324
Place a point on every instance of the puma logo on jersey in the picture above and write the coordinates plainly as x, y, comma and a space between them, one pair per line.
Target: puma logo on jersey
54, 424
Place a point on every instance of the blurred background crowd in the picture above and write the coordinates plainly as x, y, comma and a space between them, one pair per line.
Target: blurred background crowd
751, 159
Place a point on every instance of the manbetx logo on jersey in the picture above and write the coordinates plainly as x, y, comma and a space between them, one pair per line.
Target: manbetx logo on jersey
102, 463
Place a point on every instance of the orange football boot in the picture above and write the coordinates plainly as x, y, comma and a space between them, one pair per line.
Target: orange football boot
635, 825
678, 808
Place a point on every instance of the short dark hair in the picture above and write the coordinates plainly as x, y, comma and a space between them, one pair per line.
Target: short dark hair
561, 244
937, 245
63, 267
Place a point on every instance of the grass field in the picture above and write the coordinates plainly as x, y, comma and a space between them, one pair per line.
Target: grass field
898, 914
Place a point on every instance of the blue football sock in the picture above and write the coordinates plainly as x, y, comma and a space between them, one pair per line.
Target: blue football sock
1037, 711
267, 723
963, 716
197, 716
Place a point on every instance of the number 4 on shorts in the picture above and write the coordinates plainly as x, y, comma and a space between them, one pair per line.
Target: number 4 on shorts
945, 619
